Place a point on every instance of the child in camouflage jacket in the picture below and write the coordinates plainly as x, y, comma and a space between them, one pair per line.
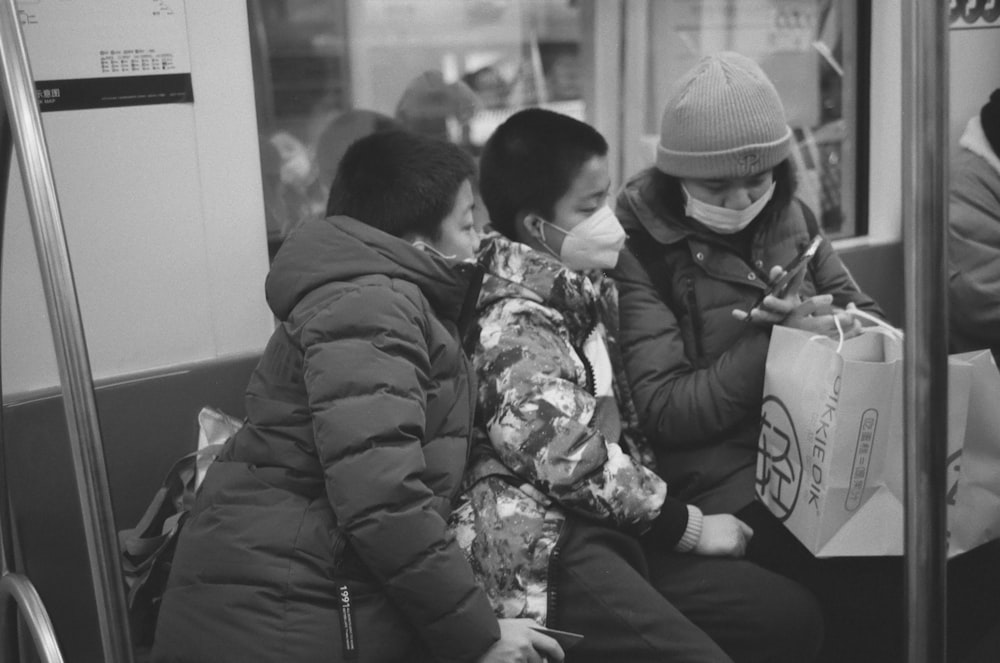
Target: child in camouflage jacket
563, 515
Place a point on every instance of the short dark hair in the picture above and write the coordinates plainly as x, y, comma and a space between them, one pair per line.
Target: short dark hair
530, 162
666, 189
399, 182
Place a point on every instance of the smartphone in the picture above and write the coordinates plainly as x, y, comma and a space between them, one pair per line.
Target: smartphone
780, 287
565, 639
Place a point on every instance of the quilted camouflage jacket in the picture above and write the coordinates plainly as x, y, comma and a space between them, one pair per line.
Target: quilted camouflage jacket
560, 437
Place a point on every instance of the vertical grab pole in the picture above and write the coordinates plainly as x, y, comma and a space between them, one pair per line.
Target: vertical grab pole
70, 345
925, 163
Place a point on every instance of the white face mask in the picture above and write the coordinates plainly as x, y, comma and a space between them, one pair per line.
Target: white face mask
723, 220
594, 243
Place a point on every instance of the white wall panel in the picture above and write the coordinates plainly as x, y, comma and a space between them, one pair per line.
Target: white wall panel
164, 218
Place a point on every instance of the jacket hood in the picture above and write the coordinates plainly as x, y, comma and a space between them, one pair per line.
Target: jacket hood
339, 248
517, 271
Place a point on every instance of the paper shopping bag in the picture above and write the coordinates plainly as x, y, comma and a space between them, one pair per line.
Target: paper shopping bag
837, 481
973, 471
825, 428
973, 499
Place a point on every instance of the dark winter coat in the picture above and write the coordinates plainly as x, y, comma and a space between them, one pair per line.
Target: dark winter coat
320, 532
974, 244
697, 372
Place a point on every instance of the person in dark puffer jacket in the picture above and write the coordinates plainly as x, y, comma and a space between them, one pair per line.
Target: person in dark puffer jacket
709, 227
974, 234
320, 533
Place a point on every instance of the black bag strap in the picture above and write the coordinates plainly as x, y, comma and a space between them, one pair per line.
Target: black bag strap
174, 498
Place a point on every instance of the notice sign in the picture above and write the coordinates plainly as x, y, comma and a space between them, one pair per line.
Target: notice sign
972, 14
104, 54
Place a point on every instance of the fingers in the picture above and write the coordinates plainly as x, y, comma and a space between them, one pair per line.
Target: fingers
818, 305
796, 281
746, 529
846, 319
546, 646
771, 311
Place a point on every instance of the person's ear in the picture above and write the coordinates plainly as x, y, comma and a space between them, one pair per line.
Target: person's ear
531, 224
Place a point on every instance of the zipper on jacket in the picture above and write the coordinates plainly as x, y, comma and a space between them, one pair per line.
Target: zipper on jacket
471, 380
587, 366
691, 301
552, 598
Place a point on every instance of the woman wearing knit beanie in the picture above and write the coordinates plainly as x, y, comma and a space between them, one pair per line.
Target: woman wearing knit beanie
709, 226
974, 233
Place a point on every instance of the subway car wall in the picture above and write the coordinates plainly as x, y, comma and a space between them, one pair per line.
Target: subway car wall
165, 213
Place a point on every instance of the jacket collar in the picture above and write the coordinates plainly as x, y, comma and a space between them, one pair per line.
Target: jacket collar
658, 222
651, 216
515, 270
974, 139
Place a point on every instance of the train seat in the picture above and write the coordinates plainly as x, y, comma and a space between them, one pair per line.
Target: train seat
147, 422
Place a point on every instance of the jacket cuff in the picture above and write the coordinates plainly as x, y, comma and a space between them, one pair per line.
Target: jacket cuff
692, 533
670, 525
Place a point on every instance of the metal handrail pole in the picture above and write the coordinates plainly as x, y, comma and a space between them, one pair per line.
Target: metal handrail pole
925, 355
15, 588
6, 522
67, 328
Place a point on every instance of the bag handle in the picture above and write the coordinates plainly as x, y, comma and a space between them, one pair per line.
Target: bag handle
879, 323
840, 335
880, 327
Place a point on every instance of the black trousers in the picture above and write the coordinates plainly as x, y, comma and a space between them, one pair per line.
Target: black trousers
636, 604
863, 597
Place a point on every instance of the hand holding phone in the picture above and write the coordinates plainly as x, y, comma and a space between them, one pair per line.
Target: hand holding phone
779, 288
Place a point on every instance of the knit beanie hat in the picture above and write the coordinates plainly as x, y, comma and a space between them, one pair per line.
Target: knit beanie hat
723, 119
990, 117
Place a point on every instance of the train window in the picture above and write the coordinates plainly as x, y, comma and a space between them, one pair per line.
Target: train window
328, 72
813, 50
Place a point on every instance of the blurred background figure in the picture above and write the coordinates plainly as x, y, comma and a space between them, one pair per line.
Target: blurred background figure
432, 107
341, 132
974, 233
293, 190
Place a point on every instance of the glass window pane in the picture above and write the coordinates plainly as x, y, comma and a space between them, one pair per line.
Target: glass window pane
801, 45
328, 72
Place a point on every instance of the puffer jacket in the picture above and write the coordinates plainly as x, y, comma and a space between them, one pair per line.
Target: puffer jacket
697, 373
974, 243
320, 534
561, 436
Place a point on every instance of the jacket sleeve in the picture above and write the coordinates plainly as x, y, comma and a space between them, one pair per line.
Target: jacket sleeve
832, 277
366, 367
974, 256
678, 402
538, 418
